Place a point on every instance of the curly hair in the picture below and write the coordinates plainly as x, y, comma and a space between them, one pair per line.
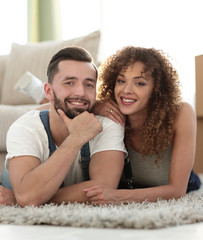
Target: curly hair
165, 101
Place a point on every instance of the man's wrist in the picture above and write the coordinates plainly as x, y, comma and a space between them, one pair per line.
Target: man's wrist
74, 141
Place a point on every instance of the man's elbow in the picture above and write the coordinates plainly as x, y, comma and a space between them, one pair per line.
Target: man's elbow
26, 200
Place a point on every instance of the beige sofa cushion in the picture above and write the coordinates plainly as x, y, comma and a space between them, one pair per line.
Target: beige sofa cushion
35, 58
3, 60
8, 114
2, 163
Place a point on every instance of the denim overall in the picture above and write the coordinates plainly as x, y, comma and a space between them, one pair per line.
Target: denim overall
85, 153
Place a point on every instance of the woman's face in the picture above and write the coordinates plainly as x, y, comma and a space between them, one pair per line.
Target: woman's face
133, 89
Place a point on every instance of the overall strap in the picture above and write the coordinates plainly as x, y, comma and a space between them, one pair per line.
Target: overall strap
85, 151
44, 115
128, 173
85, 160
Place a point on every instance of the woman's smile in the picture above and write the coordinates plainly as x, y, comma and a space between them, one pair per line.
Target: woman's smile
127, 101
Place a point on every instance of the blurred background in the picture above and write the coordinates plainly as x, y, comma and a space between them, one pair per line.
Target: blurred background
175, 26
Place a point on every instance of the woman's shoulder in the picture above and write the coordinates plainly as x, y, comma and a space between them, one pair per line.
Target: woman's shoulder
185, 114
186, 108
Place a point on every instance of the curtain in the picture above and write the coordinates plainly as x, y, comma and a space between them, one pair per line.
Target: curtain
44, 21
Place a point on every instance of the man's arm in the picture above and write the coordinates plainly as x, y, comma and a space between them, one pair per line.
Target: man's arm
105, 168
34, 182
106, 163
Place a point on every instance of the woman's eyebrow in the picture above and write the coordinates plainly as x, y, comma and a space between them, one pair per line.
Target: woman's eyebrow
121, 75
138, 77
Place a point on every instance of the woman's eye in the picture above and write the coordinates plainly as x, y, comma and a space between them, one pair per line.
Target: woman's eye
140, 84
120, 81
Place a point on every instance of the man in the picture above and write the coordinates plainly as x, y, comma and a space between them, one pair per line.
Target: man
36, 175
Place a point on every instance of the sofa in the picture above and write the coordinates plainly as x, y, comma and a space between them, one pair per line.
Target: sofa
32, 57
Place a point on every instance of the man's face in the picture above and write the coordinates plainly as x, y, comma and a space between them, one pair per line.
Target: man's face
74, 87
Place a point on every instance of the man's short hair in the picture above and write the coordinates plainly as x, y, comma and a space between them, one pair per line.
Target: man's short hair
68, 53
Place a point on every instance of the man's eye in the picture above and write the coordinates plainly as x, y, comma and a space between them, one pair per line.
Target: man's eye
90, 85
69, 83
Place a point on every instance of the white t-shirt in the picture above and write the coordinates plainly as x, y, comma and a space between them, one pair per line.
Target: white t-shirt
27, 136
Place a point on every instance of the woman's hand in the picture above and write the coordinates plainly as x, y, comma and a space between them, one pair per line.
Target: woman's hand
109, 109
101, 194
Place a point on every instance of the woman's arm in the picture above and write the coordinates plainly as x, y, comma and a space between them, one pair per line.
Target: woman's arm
101, 166
182, 160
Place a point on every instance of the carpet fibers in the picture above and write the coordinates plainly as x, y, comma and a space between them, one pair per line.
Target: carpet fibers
186, 210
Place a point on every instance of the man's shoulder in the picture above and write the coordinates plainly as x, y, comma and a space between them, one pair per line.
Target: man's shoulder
27, 126
28, 119
110, 127
106, 122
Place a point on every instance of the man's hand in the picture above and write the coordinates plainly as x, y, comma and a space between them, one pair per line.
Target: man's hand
7, 196
83, 127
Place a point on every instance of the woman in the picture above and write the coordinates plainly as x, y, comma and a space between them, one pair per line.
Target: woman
160, 133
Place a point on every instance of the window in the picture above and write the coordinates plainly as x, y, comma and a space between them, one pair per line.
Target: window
79, 17
13, 23
171, 25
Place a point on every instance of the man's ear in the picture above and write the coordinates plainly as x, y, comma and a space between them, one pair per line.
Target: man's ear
48, 91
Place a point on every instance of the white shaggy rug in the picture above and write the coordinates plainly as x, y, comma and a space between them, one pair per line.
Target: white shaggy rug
187, 210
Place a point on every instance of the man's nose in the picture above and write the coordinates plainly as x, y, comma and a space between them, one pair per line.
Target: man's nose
79, 89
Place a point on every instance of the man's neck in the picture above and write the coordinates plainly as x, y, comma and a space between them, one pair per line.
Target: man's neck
58, 129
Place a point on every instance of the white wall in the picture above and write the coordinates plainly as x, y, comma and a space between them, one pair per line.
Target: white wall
175, 26
13, 23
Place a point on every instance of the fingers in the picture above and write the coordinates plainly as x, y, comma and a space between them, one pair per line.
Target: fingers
95, 194
111, 110
91, 192
63, 116
83, 127
115, 115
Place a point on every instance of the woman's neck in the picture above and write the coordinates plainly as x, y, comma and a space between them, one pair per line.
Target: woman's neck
134, 129
136, 121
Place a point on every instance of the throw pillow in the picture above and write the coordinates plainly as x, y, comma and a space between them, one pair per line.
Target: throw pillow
34, 57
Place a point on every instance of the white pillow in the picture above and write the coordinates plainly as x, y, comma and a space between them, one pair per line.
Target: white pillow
34, 57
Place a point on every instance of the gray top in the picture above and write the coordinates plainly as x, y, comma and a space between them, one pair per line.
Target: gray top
148, 173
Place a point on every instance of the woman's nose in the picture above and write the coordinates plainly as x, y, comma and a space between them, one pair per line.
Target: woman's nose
127, 88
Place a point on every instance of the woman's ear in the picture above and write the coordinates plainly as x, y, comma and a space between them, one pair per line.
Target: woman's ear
48, 91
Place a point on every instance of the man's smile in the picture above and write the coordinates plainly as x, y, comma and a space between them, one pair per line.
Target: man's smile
77, 103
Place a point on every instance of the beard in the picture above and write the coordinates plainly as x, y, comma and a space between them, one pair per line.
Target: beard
71, 112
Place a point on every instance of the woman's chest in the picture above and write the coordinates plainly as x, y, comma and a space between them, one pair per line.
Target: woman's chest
150, 170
